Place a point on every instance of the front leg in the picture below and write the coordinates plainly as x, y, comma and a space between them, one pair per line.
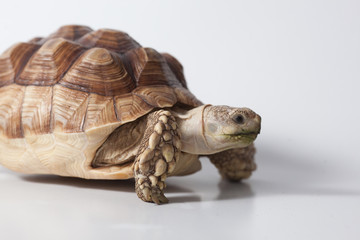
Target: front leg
158, 153
235, 164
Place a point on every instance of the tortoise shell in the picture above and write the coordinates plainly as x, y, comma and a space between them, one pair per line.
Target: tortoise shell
83, 83
78, 79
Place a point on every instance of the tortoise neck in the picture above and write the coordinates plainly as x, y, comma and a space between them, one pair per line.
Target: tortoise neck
191, 127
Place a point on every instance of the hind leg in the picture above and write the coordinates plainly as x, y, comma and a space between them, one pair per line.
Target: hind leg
235, 164
159, 151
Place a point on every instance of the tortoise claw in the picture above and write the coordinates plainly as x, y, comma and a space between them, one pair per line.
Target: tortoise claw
152, 194
159, 198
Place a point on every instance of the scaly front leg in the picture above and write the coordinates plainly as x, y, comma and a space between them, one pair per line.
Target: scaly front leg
158, 153
235, 164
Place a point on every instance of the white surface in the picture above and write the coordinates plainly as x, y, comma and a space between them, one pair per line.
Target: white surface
296, 63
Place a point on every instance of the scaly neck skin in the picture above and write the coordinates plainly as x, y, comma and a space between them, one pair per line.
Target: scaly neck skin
191, 129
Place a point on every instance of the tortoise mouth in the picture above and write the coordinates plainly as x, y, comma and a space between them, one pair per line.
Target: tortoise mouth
243, 136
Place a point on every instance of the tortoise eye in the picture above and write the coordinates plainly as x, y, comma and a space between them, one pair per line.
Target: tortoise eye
239, 119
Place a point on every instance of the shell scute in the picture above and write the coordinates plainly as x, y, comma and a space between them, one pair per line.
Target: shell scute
68, 109
150, 68
130, 107
10, 116
36, 110
176, 68
49, 63
13, 60
71, 32
99, 71
100, 111
117, 41
157, 96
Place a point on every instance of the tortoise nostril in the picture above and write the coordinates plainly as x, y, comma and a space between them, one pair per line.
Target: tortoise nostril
239, 119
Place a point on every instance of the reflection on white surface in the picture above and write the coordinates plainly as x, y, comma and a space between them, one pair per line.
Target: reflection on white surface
290, 194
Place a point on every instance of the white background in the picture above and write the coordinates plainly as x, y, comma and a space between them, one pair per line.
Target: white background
296, 63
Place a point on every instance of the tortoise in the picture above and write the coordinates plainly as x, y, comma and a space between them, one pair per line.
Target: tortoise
98, 105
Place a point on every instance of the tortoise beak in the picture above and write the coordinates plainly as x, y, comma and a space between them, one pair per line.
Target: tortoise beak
257, 120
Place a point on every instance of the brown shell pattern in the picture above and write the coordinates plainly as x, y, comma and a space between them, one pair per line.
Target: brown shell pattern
78, 79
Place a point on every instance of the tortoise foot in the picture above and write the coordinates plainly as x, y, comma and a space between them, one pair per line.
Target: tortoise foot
235, 164
150, 191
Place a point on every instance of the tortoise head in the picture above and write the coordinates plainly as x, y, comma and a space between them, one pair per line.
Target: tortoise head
227, 127
210, 129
